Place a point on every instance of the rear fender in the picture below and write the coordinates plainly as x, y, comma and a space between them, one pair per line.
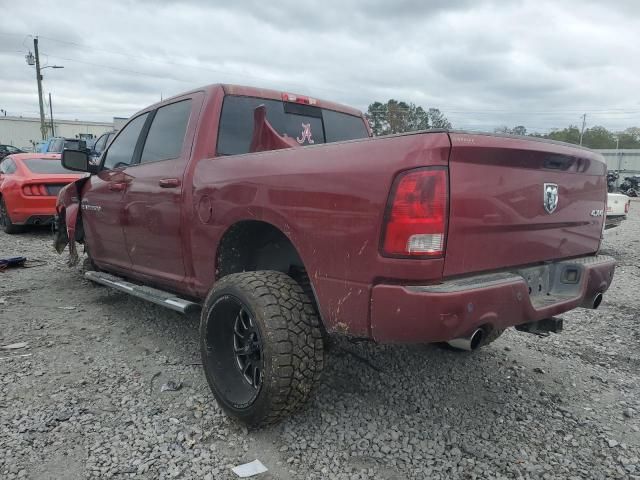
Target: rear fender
69, 219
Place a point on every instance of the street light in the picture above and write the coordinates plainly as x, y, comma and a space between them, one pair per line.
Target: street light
35, 60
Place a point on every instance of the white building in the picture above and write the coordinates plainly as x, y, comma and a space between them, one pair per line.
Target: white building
624, 160
24, 132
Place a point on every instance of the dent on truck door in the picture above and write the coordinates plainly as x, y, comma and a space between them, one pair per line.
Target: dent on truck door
153, 203
102, 202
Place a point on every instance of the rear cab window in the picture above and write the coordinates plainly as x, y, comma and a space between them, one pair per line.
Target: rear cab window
306, 124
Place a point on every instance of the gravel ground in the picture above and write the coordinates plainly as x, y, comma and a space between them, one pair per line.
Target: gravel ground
83, 398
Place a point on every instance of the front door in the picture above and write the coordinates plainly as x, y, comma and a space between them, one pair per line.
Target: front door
102, 200
153, 198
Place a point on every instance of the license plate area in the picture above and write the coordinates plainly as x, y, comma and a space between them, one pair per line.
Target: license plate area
552, 282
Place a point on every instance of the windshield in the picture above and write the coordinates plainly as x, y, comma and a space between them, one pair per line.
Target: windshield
306, 124
45, 165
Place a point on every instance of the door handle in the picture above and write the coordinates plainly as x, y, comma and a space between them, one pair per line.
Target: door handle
169, 182
117, 186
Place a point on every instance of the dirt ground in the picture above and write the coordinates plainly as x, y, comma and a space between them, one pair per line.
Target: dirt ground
82, 399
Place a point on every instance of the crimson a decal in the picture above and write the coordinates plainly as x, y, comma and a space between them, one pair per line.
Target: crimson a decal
306, 134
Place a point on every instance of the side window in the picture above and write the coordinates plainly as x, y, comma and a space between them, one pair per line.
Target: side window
121, 150
7, 166
100, 143
166, 135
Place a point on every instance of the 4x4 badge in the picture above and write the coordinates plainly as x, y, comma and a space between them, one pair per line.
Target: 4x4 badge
550, 201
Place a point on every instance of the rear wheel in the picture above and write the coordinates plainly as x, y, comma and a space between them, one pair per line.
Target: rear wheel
261, 346
5, 220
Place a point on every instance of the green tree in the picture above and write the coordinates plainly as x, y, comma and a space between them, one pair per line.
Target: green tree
598, 137
518, 130
438, 120
630, 138
397, 117
571, 134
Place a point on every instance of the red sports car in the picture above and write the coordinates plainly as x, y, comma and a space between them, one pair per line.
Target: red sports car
29, 185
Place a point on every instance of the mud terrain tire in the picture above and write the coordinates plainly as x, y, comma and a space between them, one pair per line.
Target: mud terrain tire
261, 346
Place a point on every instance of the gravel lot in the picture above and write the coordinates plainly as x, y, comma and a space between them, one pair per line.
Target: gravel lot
83, 398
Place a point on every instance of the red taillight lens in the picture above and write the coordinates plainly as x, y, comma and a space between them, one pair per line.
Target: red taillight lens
416, 218
626, 206
37, 190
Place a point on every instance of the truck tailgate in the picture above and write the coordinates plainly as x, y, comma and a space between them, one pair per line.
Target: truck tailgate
499, 187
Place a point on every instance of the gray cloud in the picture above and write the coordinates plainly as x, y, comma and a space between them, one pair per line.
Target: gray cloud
484, 63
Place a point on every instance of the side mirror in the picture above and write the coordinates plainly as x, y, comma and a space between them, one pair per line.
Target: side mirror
76, 160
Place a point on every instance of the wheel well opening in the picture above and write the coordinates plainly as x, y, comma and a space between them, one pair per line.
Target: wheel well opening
254, 245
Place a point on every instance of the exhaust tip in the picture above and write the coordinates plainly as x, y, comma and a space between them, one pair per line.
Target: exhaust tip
468, 343
476, 338
597, 300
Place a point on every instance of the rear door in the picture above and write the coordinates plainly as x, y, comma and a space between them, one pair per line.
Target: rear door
103, 197
516, 202
153, 199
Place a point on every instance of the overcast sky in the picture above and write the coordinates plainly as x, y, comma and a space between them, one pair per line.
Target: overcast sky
484, 63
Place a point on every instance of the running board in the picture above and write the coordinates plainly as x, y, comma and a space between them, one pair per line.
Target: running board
153, 295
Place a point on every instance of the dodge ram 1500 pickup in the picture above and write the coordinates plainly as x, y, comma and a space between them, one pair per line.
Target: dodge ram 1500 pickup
283, 220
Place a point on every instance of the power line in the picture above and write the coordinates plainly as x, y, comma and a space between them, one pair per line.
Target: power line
179, 64
118, 69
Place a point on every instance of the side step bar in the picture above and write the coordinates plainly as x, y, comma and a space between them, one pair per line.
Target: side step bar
153, 295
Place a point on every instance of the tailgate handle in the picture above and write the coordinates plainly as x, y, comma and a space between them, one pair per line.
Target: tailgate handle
117, 186
169, 182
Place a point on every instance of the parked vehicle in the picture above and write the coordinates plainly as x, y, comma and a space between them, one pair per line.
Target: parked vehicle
8, 150
58, 144
630, 186
282, 218
29, 184
618, 205
100, 145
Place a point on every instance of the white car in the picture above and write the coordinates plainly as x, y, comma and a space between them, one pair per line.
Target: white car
617, 208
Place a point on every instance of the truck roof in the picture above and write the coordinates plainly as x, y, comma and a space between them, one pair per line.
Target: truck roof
241, 90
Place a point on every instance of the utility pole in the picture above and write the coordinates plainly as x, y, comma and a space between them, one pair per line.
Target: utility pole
53, 133
584, 121
43, 127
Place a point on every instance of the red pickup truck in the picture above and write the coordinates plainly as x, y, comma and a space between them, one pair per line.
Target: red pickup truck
284, 221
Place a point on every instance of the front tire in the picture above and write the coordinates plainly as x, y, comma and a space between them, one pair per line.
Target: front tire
261, 346
5, 220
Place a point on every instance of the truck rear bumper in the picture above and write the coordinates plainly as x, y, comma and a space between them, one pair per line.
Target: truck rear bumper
437, 313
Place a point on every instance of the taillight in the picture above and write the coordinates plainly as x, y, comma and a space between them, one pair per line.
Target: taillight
627, 206
35, 190
416, 216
